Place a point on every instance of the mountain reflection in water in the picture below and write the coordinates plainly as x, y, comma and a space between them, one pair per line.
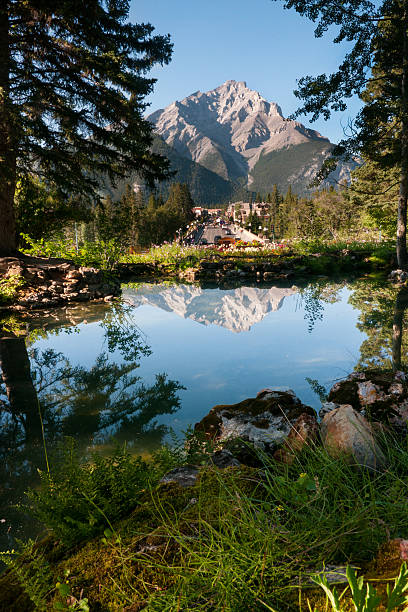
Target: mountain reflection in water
91, 371
235, 309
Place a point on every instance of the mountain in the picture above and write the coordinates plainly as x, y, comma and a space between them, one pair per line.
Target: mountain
206, 187
234, 309
241, 137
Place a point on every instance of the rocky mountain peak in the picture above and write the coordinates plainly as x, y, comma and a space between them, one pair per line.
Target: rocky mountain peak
229, 129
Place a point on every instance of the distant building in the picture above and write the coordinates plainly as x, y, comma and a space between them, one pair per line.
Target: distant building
240, 211
201, 212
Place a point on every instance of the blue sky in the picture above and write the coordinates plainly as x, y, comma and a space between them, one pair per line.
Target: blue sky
255, 41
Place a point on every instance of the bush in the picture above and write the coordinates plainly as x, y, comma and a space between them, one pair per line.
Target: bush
9, 286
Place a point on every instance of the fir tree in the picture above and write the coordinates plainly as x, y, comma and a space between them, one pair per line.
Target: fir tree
376, 69
71, 106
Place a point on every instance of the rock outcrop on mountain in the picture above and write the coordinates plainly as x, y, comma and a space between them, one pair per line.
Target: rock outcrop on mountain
234, 309
234, 132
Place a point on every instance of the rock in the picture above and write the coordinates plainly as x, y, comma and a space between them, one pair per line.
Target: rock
15, 270
270, 392
264, 421
327, 407
73, 275
185, 476
400, 417
347, 433
369, 393
356, 376
303, 433
398, 276
390, 557
396, 389
379, 395
400, 376
224, 459
51, 281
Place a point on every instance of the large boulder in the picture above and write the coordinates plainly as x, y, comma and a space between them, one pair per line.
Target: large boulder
347, 433
264, 421
379, 396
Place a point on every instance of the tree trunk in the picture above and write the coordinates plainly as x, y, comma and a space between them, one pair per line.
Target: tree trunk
8, 243
403, 191
21, 393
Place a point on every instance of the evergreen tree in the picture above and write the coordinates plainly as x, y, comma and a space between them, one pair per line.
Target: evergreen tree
376, 69
71, 106
275, 201
374, 193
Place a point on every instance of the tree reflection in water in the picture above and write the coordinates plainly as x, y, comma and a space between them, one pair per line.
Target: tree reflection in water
92, 405
381, 307
382, 318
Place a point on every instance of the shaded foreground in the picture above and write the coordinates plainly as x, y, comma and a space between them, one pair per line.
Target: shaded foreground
234, 525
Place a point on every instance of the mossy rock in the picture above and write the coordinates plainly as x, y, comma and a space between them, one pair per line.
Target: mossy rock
263, 421
381, 409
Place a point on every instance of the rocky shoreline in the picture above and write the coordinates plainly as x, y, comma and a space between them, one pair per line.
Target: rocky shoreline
50, 282
252, 268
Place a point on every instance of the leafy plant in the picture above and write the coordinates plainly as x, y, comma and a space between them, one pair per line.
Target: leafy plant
32, 571
9, 287
364, 596
78, 500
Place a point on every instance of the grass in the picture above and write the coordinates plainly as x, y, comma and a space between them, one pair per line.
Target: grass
170, 259
240, 539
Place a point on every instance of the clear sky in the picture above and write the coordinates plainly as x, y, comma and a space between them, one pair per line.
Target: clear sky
256, 41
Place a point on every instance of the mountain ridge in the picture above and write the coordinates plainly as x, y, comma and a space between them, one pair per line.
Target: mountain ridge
230, 128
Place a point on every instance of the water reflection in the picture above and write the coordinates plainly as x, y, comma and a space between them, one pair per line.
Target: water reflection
43, 398
382, 318
104, 384
234, 309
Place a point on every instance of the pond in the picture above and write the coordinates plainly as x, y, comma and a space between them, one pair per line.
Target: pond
143, 370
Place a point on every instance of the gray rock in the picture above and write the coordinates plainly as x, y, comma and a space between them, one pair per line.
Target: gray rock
185, 476
264, 421
326, 408
224, 459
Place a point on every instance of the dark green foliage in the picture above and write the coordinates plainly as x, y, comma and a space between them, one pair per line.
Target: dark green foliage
73, 83
159, 221
79, 500
42, 210
100, 83
374, 191
376, 69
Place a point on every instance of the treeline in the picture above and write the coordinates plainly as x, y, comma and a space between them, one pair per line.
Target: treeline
140, 222
134, 219
368, 204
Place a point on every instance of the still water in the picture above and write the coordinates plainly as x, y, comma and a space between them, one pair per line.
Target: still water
156, 362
